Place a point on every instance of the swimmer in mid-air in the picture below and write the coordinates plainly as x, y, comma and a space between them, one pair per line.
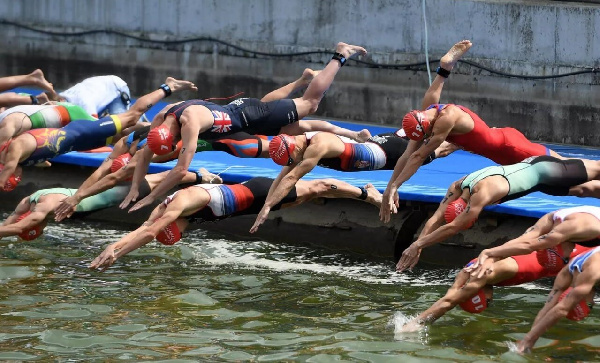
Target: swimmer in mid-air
436, 123
188, 120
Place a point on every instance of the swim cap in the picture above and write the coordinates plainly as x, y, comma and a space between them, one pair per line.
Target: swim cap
11, 182
476, 303
281, 148
551, 259
454, 209
160, 140
169, 235
415, 125
580, 311
31, 233
120, 162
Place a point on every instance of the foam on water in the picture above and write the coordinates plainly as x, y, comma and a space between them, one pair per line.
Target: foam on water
248, 254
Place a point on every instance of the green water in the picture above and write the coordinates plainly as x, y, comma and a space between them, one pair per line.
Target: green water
213, 299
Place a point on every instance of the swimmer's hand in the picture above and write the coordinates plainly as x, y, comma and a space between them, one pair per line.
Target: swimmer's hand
409, 258
180, 85
142, 203
106, 259
483, 266
389, 204
261, 218
66, 208
131, 197
524, 347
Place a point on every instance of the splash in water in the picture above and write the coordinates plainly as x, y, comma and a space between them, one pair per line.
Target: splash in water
407, 328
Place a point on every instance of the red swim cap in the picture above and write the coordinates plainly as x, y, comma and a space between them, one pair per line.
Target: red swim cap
580, 311
120, 162
281, 149
454, 209
551, 258
11, 182
476, 303
169, 235
160, 140
415, 125
31, 233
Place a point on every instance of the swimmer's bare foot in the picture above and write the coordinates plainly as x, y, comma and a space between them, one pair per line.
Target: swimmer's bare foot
445, 149
209, 178
180, 85
362, 135
37, 79
373, 195
43, 164
449, 60
349, 50
308, 75
42, 98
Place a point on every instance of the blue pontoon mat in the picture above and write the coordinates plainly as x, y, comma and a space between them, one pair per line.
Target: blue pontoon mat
429, 184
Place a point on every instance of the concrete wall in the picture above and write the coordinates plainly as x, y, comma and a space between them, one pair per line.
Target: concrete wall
525, 38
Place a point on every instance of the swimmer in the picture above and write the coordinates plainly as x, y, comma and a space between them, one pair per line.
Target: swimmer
467, 197
213, 202
428, 129
16, 120
34, 79
30, 216
300, 154
474, 294
39, 145
572, 296
577, 224
188, 120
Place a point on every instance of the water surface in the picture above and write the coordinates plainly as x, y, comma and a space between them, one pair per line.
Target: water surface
214, 299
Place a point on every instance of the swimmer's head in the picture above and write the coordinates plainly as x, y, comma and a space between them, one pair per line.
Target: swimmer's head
32, 232
551, 259
580, 311
281, 149
161, 140
120, 162
478, 302
454, 209
170, 234
12, 181
416, 125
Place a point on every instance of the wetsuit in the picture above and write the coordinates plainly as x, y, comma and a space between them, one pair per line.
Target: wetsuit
51, 116
546, 174
79, 135
578, 262
234, 200
249, 114
108, 198
561, 214
240, 144
502, 145
380, 152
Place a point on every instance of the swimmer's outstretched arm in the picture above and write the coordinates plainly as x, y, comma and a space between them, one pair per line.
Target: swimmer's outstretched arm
68, 205
410, 256
158, 220
312, 155
554, 310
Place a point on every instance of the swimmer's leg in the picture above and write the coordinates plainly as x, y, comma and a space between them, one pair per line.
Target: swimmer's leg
447, 63
287, 90
309, 102
35, 79
333, 188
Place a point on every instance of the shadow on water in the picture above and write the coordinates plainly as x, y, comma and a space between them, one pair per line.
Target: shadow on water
212, 298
